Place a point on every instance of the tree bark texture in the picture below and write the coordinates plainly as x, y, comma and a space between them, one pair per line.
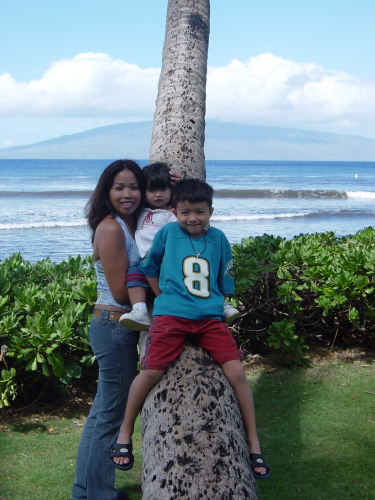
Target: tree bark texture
179, 119
194, 442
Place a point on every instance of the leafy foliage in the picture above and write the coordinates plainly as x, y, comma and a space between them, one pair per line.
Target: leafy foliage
8, 387
44, 318
313, 289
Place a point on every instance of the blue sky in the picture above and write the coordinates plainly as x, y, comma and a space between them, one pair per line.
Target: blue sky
68, 66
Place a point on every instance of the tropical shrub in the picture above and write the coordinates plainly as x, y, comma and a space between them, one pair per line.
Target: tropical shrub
313, 289
293, 294
44, 316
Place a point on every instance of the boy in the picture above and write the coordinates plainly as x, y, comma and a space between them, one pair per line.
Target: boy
188, 268
156, 213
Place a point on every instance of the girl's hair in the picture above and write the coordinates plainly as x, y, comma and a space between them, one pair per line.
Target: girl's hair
99, 205
156, 176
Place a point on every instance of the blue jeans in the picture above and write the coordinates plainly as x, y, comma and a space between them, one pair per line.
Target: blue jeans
115, 348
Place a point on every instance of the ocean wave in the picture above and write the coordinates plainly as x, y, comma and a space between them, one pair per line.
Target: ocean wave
257, 216
42, 225
302, 213
280, 193
215, 217
47, 194
361, 194
219, 193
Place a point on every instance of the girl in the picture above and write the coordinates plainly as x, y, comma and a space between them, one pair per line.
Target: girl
156, 214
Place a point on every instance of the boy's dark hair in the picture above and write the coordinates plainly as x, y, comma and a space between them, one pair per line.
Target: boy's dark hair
193, 191
156, 176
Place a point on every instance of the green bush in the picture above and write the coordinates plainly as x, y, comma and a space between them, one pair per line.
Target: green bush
44, 316
313, 289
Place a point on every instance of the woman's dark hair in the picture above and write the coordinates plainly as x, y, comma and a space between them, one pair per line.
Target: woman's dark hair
156, 176
193, 191
99, 205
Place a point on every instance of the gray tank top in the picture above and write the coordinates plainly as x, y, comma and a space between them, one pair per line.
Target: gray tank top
104, 293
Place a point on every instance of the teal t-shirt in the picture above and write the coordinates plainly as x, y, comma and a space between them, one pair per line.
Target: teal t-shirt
194, 273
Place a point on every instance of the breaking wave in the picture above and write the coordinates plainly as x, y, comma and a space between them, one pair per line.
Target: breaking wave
219, 193
42, 225
291, 193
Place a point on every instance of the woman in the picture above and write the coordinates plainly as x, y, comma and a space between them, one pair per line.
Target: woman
112, 213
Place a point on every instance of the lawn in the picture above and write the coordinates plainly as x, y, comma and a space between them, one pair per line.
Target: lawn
316, 427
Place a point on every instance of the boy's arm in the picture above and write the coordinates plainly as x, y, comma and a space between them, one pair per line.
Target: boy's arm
154, 285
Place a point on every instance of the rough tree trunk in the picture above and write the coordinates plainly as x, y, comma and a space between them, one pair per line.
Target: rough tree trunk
179, 119
194, 443
193, 437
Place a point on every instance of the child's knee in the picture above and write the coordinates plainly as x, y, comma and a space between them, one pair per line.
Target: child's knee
151, 376
235, 372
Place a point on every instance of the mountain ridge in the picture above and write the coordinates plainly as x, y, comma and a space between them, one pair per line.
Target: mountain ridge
224, 141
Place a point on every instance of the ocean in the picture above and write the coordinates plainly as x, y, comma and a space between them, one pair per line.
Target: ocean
42, 201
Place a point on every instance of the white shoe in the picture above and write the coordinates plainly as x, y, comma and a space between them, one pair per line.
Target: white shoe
136, 320
230, 312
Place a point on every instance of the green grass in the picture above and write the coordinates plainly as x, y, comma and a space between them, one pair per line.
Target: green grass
38, 459
316, 427
317, 431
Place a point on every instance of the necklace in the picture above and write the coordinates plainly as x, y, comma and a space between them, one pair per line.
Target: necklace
198, 254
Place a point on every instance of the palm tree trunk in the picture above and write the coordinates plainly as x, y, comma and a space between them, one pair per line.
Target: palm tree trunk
179, 120
194, 445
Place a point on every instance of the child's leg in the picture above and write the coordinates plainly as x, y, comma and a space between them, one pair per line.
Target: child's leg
137, 294
137, 286
141, 386
138, 318
235, 373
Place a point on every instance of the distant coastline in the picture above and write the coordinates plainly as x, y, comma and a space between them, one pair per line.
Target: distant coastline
224, 141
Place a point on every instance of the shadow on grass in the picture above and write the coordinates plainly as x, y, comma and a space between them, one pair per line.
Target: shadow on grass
29, 427
315, 429
278, 398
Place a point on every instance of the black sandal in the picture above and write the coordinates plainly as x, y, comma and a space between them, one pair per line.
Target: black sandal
257, 460
125, 451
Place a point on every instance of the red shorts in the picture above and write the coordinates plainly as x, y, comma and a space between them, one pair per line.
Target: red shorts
167, 337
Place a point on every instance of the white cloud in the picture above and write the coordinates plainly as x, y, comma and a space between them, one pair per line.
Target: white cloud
269, 90
265, 90
90, 84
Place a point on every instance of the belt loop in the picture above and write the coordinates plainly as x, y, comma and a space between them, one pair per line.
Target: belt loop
100, 313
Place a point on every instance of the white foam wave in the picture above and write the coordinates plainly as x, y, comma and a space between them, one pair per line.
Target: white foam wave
258, 216
34, 225
361, 194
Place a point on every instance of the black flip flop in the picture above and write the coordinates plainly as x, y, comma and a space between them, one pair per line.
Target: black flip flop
257, 460
125, 451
